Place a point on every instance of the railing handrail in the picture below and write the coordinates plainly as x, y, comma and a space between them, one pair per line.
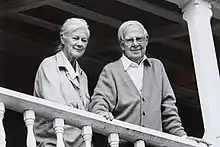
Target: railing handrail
20, 102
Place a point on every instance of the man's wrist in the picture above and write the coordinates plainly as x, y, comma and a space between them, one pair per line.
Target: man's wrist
184, 136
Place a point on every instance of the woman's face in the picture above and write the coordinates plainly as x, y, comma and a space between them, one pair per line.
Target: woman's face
75, 43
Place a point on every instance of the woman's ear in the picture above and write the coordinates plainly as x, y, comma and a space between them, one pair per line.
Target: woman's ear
62, 39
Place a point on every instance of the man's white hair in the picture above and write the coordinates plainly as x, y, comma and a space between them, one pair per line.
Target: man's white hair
127, 24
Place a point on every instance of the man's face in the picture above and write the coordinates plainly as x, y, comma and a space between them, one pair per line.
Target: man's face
75, 44
134, 43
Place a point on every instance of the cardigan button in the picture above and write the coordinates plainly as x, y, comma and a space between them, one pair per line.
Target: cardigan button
143, 113
143, 99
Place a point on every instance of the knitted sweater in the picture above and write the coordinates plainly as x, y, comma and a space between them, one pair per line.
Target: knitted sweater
153, 108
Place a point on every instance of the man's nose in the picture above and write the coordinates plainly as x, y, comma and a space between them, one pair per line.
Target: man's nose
135, 42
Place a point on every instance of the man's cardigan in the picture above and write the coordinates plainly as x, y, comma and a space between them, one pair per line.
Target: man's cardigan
153, 108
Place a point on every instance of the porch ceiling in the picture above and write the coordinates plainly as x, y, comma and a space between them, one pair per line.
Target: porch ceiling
38, 22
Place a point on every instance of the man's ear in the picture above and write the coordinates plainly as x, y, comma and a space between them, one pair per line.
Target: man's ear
122, 45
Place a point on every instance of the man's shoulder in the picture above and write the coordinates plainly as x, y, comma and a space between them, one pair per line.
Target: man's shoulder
155, 62
113, 65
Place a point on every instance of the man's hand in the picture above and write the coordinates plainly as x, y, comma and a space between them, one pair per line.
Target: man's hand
107, 115
198, 140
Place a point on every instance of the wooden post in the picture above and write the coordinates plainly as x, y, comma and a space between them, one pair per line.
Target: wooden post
87, 135
113, 140
2, 130
58, 126
29, 118
139, 143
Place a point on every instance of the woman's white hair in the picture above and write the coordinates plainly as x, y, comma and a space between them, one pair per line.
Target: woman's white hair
72, 24
129, 23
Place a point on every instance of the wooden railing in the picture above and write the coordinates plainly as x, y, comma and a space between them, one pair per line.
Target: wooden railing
88, 122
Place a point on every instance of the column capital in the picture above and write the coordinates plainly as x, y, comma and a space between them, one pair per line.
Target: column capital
198, 9
187, 4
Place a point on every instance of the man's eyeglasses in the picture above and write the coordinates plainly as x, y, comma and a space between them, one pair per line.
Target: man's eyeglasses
139, 40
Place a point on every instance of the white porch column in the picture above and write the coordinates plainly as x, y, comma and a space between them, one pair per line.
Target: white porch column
198, 13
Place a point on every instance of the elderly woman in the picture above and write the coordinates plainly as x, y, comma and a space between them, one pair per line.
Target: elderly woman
60, 79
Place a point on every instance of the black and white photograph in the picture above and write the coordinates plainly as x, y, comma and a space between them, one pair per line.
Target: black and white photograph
109, 73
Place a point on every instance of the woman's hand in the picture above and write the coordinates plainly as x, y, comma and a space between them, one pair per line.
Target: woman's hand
75, 105
107, 115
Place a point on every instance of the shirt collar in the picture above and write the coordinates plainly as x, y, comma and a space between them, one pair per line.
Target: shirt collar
127, 62
63, 62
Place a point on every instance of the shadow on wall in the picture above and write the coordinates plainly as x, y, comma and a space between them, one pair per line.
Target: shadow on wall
192, 121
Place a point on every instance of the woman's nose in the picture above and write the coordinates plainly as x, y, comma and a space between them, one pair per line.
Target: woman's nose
79, 42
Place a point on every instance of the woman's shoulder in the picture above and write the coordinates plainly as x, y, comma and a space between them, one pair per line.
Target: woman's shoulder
48, 63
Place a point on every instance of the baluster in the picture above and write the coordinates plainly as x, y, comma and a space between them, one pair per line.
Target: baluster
87, 135
113, 140
139, 143
58, 125
29, 118
2, 130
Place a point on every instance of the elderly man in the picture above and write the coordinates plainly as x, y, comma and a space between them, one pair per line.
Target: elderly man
135, 88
